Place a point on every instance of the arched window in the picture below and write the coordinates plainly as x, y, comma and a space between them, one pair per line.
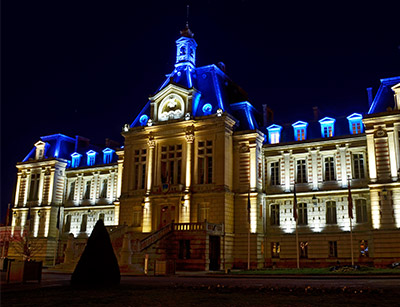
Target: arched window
67, 226
302, 215
331, 212
84, 223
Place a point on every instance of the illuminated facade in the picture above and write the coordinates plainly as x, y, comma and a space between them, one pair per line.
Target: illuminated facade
201, 169
63, 186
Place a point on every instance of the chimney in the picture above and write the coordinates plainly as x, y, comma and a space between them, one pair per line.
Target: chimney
111, 143
265, 116
316, 113
370, 98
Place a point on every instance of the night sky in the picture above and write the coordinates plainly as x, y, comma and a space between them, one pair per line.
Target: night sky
87, 67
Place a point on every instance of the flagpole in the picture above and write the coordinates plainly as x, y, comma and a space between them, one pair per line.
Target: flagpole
350, 208
295, 219
351, 242
248, 232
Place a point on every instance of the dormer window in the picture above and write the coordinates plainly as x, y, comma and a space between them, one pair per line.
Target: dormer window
91, 157
40, 146
355, 123
300, 130
107, 155
76, 159
327, 127
274, 134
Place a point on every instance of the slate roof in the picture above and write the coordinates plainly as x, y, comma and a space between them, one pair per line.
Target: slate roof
61, 146
384, 97
215, 88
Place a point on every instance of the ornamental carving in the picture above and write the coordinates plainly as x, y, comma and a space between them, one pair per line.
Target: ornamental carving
380, 133
190, 134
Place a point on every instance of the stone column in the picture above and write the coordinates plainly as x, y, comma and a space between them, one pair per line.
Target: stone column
151, 144
392, 155
185, 205
371, 157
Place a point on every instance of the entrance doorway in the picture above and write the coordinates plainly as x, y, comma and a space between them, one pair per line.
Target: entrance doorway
167, 215
215, 252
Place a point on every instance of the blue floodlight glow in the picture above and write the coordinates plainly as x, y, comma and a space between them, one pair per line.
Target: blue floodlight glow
143, 120
207, 108
300, 130
327, 127
355, 123
107, 155
76, 159
91, 157
274, 134
247, 108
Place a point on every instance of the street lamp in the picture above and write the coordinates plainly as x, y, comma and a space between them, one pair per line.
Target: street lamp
384, 193
314, 200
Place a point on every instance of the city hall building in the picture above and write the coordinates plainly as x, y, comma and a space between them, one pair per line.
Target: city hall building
207, 181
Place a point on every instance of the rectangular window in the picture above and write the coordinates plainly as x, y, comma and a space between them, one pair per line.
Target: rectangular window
327, 131
205, 162
274, 167
300, 135
275, 217
203, 212
140, 168
358, 166
302, 214
301, 174
104, 187
329, 169
34, 187
136, 219
71, 191
361, 211
87, 190
275, 249
331, 212
332, 249
274, 137
171, 164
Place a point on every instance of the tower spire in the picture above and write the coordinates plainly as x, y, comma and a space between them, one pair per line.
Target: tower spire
186, 32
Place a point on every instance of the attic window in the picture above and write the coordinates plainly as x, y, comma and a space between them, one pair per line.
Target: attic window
300, 130
107, 155
355, 123
274, 134
327, 127
91, 157
76, 159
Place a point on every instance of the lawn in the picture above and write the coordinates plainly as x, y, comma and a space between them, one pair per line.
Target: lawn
125, 295
320, 271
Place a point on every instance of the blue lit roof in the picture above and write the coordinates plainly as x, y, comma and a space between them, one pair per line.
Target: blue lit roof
384, 97
64, 147
215, 88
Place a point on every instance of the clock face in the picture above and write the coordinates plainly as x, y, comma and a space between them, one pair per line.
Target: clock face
171, 107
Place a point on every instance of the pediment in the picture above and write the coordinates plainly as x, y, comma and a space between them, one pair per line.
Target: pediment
170, 103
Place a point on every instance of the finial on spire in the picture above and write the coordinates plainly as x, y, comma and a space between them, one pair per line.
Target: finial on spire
187, 16
186, 32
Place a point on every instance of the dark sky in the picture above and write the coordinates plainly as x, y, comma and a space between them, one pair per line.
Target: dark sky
88, 67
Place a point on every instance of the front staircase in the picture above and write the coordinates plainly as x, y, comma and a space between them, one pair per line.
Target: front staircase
132, 247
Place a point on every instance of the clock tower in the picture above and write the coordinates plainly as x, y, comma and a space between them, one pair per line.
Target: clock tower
186, 48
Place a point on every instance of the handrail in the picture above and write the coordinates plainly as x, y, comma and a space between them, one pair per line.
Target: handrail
154, 237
